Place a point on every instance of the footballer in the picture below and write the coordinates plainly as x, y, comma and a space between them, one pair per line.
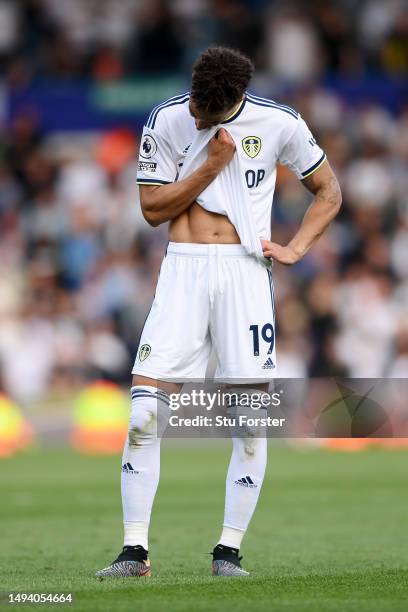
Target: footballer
212, 293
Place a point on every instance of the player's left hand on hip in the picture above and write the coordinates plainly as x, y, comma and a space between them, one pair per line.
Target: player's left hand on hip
284, 254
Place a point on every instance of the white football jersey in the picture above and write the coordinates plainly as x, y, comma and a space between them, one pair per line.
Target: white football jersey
265, 132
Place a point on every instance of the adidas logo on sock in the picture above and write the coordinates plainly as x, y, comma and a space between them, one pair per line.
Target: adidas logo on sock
128, 469
246, 481
268, 365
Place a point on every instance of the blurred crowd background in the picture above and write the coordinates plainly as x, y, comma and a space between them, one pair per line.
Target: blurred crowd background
78, 262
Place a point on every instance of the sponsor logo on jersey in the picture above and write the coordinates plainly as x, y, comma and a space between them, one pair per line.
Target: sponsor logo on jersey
251, 145
147, 166
144, 351
148, 147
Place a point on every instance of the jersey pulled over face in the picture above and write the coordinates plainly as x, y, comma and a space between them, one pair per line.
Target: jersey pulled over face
265, 133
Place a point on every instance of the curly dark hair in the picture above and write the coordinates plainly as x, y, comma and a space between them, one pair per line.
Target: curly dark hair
220, 77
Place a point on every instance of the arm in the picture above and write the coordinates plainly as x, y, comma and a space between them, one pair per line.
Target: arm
325, 206
165, 202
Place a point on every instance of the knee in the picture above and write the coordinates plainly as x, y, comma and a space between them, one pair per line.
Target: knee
142, 425
148, 417
251, 448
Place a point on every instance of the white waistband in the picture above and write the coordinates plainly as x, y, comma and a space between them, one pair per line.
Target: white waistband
204, 250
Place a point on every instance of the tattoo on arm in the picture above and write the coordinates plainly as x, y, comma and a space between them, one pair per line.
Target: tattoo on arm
329, 192
324, 185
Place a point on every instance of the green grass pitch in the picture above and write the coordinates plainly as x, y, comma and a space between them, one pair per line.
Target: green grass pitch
329, 533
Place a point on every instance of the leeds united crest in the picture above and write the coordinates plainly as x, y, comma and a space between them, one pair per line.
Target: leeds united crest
251, 145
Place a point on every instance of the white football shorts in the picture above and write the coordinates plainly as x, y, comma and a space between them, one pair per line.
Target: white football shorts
209, 296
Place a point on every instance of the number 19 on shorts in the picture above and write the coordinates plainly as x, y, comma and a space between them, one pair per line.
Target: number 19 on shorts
266, 334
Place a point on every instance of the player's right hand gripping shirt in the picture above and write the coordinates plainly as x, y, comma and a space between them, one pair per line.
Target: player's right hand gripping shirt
266, 133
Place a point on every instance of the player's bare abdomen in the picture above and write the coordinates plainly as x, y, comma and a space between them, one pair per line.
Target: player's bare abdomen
200, 226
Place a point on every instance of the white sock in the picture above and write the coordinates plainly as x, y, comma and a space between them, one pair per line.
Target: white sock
141, 462
244, 481
136, 533
231, 537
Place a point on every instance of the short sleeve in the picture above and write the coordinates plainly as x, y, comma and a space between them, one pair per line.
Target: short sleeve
156, 165
300, 152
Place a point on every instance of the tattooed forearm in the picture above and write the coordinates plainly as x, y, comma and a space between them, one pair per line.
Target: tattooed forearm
325, 206
329, 193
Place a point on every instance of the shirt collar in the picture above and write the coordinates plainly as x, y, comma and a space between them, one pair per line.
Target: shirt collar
236, 112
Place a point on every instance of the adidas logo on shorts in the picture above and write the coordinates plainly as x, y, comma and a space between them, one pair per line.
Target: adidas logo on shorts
246, 481
268, 365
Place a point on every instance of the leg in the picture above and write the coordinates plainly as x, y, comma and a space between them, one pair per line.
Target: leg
244, 480
174, 343
141, 456
245, 342
174, 346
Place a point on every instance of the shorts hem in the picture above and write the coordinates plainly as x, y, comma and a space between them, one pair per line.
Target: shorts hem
148, 373
181, 378
167, 377
246, 379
